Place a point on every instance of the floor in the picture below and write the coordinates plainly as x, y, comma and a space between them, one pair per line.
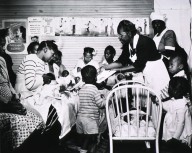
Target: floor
119, 147
68, 145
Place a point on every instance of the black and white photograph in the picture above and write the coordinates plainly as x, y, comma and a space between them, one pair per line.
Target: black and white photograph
95, 76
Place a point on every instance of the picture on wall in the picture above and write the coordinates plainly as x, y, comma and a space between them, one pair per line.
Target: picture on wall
16, 38
76, 26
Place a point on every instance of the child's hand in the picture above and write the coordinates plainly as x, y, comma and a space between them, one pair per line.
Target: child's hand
77, 79
46, 79
154, 99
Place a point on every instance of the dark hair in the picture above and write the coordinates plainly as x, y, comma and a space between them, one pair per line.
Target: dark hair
127, 27
111, 48
59, 53
31, 47
88, 50
50, 44
65, 73
51, 76
35, 37
4, 32
178, 87
57, 57
89, 74
2, 41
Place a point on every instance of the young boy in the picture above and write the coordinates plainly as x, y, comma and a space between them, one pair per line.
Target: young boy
87, 123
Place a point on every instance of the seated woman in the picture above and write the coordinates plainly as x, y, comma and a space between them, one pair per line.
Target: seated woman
7, 57
20, 121
31, 72
22, 130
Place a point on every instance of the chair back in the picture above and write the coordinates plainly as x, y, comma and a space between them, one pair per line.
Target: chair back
132, 114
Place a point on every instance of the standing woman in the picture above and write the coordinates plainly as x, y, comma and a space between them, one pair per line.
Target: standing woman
165, 39
140, 55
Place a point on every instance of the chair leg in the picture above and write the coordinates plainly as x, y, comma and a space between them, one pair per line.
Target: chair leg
111, 145
148, 145
157, 145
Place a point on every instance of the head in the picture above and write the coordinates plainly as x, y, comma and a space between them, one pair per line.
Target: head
178, 87
35, 39
47, 49
109, 53
65, 73
56, 58
158, 26
32, 48
88, 54
126, 31
158, 22
176, 63
89, 74
51, 76
3, 34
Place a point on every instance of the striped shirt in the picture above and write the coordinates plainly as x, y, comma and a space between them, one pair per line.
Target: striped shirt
31, 69
90, 101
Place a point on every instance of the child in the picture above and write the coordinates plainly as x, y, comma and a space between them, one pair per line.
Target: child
87, 60
109, 55
32, 48
177, 127
87, 123
30, 73
177, 67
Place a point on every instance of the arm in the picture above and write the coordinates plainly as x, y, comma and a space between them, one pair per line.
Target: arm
114, 65
169, 43
100, 102
180, 123
123, 60
33, 75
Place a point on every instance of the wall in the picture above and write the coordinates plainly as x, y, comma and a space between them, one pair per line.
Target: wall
22, 9
178, 19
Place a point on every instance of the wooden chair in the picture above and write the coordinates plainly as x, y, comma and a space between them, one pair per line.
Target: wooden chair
139, 123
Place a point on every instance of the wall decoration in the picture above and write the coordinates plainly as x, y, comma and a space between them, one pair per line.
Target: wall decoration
76, 26
16, 39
